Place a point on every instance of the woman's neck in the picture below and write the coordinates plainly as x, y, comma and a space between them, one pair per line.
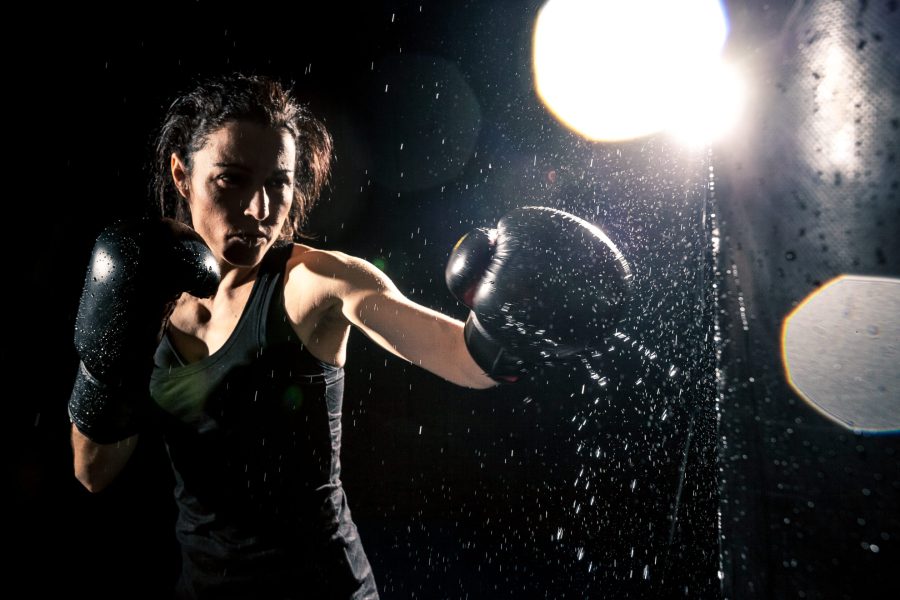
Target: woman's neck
234, 277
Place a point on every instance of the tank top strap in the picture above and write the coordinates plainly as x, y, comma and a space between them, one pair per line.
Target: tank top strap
266, 289
273, 326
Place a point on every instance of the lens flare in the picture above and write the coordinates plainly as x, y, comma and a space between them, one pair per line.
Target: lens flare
619, 70
841, 348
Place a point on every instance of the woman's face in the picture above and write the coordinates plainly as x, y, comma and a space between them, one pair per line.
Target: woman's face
240, 190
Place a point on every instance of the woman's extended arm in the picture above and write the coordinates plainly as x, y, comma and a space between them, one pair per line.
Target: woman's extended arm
368, 299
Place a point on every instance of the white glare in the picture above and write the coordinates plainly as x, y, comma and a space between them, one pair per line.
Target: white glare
102, 268
615, 70
712, 109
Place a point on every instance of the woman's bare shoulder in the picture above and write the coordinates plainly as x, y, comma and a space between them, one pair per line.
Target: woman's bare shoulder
315, 275
328, 263
316, 260
336, 271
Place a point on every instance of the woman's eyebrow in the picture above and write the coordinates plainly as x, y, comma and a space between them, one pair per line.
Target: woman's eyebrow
233, 165
246, 168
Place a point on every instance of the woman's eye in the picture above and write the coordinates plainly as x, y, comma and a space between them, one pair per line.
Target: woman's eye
279, 185
228, 179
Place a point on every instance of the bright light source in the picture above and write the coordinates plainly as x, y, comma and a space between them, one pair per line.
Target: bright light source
615, 70
711, 109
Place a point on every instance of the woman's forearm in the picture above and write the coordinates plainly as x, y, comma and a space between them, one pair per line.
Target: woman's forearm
97, 465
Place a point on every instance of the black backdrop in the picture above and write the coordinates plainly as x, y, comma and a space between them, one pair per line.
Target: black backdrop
566, 486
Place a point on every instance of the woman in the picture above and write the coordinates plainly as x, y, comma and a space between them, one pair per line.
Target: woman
247, 384
247, 378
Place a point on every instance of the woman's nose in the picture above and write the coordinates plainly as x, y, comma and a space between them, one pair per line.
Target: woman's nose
258, 207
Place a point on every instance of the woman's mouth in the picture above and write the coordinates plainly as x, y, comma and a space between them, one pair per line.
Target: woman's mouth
250, 238
244, 248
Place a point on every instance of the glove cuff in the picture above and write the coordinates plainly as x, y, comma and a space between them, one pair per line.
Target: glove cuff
101, 411
494, 359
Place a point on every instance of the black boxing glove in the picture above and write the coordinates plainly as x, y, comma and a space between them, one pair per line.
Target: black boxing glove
136, 273
543, 286
469, 261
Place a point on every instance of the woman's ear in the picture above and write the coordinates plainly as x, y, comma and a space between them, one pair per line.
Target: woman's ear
180, 176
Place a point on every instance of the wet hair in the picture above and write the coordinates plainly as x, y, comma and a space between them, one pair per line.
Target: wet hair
195, 115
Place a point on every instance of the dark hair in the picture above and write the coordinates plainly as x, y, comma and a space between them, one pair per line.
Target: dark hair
194, 115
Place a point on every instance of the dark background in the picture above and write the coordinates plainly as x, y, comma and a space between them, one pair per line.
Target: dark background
662, 471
